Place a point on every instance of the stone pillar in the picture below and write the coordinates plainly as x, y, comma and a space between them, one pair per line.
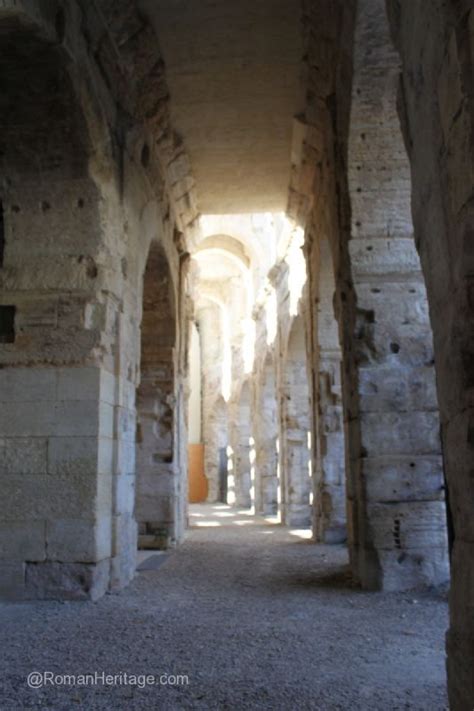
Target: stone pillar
266, 442
330, 489
58, 382
395, 489
437, 114
295, 431
242, 449
156, 505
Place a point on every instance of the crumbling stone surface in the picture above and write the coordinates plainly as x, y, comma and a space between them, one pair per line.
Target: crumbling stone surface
436, 111
358, 157
84, 191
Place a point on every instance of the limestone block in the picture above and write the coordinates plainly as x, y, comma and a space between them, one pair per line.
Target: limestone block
333, 466
72, 455
27, 385
23, 540
53, 580
413, 569
391, 433
124, 493
388, 389
126, 388
334, 533
25, 418
406, 525
21, 455
159, 479
125, 531
404, 478
12, 580
383, 257
79, 384
79, 540
126, 424
49, 497
77, 418
125, 457
107, 420
159, 508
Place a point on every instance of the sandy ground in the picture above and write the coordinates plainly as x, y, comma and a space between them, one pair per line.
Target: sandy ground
254, 615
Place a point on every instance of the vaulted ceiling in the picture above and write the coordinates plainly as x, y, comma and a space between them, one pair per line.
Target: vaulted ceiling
233, 70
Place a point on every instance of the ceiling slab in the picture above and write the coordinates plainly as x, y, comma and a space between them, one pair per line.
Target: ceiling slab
233, 68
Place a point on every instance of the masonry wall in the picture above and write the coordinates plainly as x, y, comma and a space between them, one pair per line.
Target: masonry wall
350, 185
400, 531
436, 112
83, 194
329, 512
295, 423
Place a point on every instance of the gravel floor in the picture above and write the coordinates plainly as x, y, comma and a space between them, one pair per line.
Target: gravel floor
256, 616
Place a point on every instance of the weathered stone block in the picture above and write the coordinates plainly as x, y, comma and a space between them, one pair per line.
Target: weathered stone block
22, 419
73, 455
400, 433
49, 497
23, 540
397, 389
78, 384
406, 525
12, 580
27, 385
22, 455
124, 493
79, 540
67, 581
404, 478
78, 418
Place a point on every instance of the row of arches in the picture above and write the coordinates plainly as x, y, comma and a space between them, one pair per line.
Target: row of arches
85, 415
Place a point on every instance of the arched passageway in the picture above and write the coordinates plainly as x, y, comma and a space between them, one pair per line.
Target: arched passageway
156, 495
324, 263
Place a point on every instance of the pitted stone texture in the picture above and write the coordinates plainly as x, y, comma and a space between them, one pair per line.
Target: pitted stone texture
437, 115
67, 581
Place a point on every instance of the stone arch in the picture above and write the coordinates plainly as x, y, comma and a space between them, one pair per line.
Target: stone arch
295, 436
57, 381
156, 500
267, 490
215, 354
227, 245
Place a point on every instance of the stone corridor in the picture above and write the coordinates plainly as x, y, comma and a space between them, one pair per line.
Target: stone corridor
237, 271
253, 614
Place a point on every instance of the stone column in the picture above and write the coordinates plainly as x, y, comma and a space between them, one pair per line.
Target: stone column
437, 114
396, 494
330, 488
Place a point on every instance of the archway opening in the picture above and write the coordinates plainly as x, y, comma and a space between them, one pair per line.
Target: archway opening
156, 495
296, 432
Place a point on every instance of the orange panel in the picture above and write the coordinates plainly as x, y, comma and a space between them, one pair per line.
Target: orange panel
198, 487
